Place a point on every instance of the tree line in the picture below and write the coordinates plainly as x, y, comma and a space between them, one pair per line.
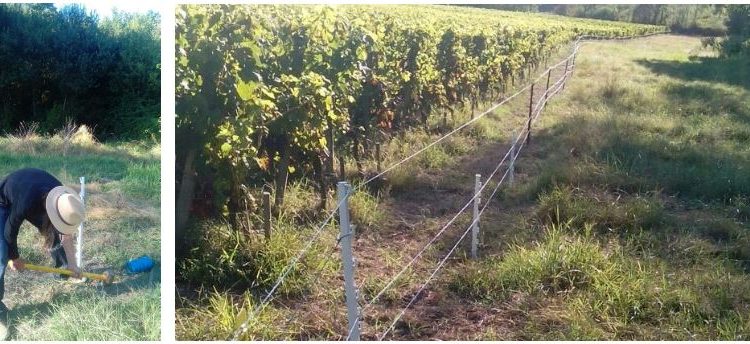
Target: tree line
693, 19
69, 64
738, 31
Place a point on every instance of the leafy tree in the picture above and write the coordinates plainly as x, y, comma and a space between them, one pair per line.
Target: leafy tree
70, 64
738, 29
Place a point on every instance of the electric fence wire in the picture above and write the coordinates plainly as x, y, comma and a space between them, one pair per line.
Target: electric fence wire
524, 128
316, 234
243, 328
445, 259
536, 111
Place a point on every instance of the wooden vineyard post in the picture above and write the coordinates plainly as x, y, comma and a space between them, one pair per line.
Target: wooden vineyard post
329, 175
377, 157
475, 221
347, 258
531, 105
472, 108
565, 76
546, 90
342, 171
331, 150
267, 215
529, 71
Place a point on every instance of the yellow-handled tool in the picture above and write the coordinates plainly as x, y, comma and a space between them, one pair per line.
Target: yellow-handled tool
106, 277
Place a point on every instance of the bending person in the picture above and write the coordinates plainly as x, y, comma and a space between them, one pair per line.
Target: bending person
55, 210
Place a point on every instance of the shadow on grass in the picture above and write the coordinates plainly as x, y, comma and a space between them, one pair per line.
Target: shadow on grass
732, 71
685, 170
709, 100
37, 310
628, 158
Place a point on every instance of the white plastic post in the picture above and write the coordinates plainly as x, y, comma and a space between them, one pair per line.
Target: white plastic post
475, 220
79, 243
512, 167
347, 259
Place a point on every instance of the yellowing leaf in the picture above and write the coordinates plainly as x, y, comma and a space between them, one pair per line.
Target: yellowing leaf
245, 89
226, 147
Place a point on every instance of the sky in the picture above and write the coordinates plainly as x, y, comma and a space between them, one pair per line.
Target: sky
104, 8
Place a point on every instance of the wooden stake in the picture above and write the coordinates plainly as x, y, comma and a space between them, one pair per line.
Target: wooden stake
377, 156
330, 162
565, 76
267, 215
546, 90
342, 172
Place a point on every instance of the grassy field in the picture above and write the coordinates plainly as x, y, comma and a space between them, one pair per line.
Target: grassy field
123, 222
628, 219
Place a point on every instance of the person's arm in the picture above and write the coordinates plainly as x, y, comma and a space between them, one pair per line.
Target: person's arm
12, 226
70, 253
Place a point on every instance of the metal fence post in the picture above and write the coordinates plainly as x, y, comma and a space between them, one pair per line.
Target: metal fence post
475, 221
79, 243
348, 260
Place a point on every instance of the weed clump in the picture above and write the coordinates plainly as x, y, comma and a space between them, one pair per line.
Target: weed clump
610, 293
225, 258
607, 214
364, 209
219, 315
559, 264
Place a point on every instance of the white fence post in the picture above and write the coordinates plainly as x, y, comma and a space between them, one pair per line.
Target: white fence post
347, 259
79, 243
475, 221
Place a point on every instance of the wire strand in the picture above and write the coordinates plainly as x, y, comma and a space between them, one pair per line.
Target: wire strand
243, 328
476, 118
442, 262
523, 130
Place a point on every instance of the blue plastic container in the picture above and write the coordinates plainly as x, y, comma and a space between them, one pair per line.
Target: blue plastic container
140, 264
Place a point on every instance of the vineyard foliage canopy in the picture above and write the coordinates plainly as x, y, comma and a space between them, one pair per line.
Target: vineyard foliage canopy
262, 88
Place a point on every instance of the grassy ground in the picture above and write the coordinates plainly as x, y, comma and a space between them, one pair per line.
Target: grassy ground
628, 219
123, 222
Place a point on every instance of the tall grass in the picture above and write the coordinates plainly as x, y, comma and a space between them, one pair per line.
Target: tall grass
92, 315
225, 258
608, 292
219, 315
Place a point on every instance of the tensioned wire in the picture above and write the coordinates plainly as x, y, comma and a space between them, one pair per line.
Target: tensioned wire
243, 328
524, 128
445, 259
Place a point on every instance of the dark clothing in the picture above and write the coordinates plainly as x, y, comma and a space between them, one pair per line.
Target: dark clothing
23, 193
4, 212
22, 197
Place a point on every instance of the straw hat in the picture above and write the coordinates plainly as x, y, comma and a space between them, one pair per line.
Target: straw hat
65, 209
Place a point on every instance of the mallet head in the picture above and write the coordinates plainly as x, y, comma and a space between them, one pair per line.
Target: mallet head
109, 277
